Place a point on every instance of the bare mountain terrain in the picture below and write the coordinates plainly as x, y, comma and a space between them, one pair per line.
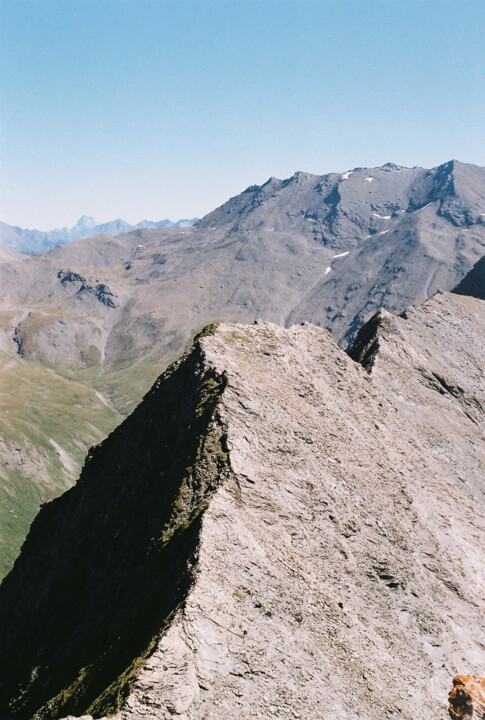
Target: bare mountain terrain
278, 530
329, 249
107, 314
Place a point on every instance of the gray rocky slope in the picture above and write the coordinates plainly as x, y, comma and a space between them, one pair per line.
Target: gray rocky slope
277, 531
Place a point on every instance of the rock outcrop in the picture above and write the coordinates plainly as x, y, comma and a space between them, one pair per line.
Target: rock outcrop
276, 531
467, 699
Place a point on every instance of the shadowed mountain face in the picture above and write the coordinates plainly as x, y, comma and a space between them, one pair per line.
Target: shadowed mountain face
273, 525
109, 313
474, 283
126, 539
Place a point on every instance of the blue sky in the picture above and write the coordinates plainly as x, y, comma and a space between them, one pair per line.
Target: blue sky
152, 109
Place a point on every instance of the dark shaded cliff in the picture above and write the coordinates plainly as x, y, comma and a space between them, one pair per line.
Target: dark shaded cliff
110, 561
473, 283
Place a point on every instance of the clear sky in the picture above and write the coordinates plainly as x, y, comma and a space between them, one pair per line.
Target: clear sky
146, 109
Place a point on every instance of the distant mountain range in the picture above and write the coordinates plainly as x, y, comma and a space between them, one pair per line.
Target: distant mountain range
34, 242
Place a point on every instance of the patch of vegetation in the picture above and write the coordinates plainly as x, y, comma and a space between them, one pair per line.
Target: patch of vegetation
41, 412
235, 336
206, 331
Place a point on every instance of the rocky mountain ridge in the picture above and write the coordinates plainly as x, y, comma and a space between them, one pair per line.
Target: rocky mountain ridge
275, 524
91, 324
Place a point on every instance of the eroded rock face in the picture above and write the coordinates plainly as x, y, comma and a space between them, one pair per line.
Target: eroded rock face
326, 525
467, 699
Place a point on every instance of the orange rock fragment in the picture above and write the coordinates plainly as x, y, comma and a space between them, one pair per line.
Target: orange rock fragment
467, 699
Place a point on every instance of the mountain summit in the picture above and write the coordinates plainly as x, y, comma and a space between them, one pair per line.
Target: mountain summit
85, 223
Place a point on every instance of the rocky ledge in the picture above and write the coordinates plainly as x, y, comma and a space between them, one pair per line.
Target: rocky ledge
276, 531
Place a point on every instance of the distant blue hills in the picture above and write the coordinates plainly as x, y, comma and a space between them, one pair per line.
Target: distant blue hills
35, 242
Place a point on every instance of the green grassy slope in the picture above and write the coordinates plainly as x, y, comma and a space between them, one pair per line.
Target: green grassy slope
47, 423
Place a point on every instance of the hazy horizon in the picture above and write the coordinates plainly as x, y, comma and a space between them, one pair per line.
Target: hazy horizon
152, 110
96, 222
